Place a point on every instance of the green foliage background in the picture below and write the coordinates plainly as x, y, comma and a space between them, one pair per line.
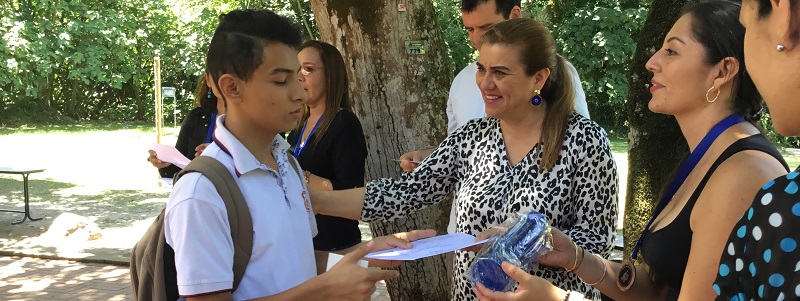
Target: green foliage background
78, 60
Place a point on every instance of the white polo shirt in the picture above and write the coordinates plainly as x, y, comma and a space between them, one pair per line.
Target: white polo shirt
196, 224
465, 103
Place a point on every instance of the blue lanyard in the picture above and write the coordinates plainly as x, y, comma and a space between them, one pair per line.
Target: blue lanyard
686, 168
211, 127
301, 144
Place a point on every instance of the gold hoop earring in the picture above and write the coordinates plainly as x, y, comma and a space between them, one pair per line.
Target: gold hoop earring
715, 97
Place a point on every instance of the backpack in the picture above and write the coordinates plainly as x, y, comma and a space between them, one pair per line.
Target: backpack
153, 273
152, 270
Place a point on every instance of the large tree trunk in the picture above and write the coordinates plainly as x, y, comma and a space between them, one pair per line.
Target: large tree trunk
400, 99
656, 143
139, 99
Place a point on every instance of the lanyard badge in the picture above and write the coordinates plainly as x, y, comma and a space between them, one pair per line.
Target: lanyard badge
627, 274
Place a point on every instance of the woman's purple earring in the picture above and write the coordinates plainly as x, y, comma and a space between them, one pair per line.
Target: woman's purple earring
536, 100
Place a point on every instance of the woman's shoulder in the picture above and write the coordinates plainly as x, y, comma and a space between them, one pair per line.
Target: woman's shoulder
582, 130
346, 116
748, 167
199, 113
197, 117
475, 128
202, 111
345, 120
480, 124
753, 156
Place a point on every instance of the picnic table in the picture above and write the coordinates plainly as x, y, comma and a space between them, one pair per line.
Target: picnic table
25, 172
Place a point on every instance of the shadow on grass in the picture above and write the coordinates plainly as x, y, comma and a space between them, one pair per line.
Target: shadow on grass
109, 206
121, 215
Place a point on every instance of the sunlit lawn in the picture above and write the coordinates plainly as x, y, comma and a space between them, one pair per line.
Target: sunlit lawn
90, 157
95, 170
97, 163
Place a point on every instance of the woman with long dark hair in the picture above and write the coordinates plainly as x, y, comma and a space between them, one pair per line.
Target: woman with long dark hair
328, 142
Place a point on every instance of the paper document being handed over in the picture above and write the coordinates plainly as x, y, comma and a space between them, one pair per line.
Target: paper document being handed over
428, 247
168, 153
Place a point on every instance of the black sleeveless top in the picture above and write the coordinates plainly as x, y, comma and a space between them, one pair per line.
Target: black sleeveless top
666, 251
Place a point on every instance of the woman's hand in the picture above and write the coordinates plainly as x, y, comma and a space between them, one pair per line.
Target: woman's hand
410, 160
489, 233
564, 252
530, 288
155, 161
398, 240
200, 148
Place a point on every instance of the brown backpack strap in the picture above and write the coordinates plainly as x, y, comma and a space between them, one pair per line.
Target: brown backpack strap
238, 213
294, 163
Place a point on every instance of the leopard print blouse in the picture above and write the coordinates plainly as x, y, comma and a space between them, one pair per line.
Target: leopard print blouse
579, 195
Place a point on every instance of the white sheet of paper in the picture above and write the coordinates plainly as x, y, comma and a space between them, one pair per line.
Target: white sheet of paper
333, 258
169, 153
428, 247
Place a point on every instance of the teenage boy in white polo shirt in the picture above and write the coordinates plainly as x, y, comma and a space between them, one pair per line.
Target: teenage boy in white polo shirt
252, 60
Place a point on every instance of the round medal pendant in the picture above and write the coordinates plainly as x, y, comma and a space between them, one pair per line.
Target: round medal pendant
627, 275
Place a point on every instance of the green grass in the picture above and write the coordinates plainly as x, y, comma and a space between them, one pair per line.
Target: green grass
77, 128
99, 164
619, 145
96, 163
792, 159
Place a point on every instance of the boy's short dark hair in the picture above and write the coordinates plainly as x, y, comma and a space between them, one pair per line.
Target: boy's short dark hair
237, 46
503, 6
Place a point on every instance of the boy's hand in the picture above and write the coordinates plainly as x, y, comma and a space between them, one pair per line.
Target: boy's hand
348, 281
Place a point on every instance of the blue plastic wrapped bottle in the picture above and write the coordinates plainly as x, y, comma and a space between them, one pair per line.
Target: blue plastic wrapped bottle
528, 237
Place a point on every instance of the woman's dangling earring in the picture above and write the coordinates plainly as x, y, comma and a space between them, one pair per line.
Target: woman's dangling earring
536, 100
715, 97
209, 94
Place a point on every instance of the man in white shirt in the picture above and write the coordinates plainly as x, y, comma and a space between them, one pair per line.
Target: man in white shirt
252, 63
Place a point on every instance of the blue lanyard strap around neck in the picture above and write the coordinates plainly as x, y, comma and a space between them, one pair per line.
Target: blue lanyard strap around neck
687, 168
301, 144
211, 125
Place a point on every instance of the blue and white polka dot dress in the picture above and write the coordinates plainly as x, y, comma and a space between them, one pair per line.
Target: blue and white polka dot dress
761, 260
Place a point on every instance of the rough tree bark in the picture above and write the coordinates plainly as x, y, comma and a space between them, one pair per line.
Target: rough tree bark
656, 143
400, 99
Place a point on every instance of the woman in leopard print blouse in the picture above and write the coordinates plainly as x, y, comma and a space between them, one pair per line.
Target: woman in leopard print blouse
532, 152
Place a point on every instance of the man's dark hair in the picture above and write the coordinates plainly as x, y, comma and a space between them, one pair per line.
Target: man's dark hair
237, 46
503, 6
